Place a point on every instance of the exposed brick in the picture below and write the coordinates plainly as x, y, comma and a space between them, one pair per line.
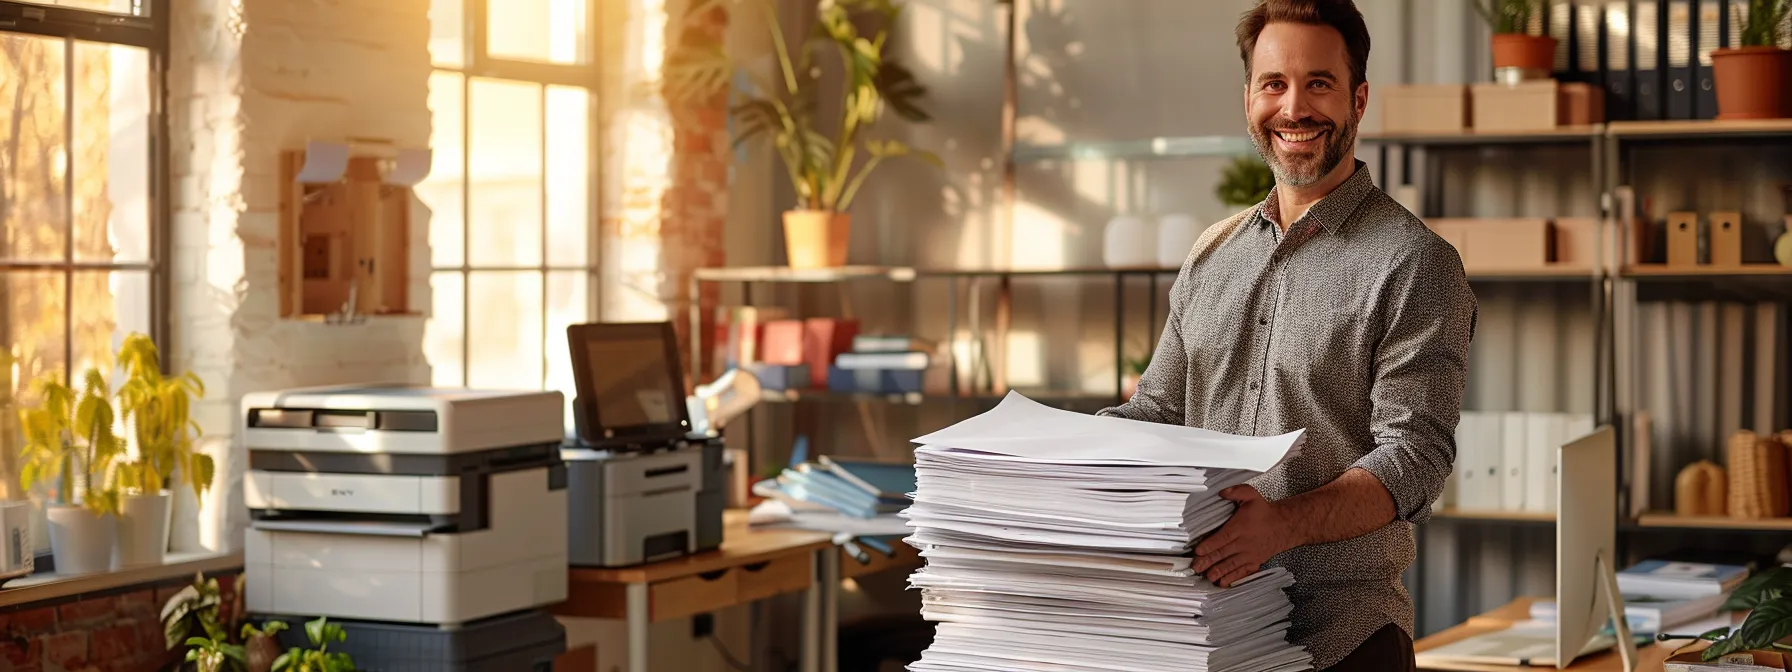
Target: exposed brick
139, 604
164, 594
17, 653
65, 651
114, 642
31, 622
89, 611
150, 636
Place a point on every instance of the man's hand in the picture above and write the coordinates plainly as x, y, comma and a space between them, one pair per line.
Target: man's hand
1257, 531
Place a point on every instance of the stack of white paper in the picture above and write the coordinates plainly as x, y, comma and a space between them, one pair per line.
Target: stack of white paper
1061, 541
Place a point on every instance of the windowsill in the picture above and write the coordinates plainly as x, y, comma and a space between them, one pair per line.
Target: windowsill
46, 587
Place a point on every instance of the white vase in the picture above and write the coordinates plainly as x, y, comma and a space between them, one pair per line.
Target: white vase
1176, 235
17, 556
81, 540
142, 530
1129, 241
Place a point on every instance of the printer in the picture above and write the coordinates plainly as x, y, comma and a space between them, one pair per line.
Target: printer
641, 486
404, 504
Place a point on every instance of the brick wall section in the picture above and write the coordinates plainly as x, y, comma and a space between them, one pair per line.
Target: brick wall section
117, 631
696, 206
248, 79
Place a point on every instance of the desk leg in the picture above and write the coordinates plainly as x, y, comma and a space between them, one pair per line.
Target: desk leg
812, 598
637, 627
830, 609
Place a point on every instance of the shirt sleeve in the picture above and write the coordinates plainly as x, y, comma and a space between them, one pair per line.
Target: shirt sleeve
1421, 367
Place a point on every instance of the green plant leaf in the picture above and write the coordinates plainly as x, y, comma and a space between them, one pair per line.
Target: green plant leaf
1755, 590
1714, 633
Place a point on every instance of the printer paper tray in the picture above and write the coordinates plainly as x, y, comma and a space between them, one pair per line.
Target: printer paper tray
378, 528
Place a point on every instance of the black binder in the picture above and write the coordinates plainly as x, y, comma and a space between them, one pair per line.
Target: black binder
1678, 32
1651, 77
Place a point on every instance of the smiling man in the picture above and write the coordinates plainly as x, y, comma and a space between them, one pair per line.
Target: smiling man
1329, 308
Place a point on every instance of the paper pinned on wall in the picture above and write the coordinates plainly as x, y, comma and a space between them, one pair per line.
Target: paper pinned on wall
410, 168
324, 162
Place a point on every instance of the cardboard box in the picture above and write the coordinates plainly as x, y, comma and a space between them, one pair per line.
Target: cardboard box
1492, 245
1580, 104
1725, 238
1577, 240
1526, 106
1683, 238
1424, 108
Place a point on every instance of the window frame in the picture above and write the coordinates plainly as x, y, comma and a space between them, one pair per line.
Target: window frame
477, 64
149, 30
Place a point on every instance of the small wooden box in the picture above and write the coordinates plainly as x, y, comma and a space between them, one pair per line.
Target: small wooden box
1424, 108
1526, 106
1581, 104
1725, 238
1492, 245
1683, 238
1577, 240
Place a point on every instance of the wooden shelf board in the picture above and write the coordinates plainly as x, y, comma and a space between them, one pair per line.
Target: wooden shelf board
1704, 271
54, 586
788, 274
1508, 516
1551, 272
1661, 519
1697, 128
1470, 136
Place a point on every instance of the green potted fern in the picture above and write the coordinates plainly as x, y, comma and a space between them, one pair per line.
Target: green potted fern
69, 441
1752, 78
1514, 48
158, 413
826, 167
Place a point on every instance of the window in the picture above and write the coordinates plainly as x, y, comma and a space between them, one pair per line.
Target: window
82, 227
512, 190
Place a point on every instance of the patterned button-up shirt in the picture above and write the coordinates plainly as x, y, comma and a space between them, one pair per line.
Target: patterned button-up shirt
1354, 326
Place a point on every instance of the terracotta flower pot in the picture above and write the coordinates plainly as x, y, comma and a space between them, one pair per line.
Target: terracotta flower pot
816, 238
1752, 82
1534, 53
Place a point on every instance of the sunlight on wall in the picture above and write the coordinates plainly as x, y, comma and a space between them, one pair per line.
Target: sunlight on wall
1039, 237
643, 166
1026, 359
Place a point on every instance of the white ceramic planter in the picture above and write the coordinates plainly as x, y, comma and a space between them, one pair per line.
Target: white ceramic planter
17, 556
143, 529
1129, 241
1176, 235
81, 541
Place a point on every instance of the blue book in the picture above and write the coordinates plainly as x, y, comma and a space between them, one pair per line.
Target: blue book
1665, 578
885, 480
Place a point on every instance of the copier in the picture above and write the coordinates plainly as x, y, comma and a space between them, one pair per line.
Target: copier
404, 504
641, 486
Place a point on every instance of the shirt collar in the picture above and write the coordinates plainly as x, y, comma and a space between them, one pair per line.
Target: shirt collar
1331, 212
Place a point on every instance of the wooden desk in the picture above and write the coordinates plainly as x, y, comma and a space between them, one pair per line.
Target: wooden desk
750, 565
1648, 658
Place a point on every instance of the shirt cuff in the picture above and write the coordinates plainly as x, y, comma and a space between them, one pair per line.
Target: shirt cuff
1412, 501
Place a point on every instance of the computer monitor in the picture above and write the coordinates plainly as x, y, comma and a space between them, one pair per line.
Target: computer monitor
1587, 595
629, 383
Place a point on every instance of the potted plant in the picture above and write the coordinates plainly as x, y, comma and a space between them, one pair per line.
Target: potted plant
15, 508
1767, 597
1751, 79
1245, 182
318, 658
1532, 56
157, 409
825, 170
69, 440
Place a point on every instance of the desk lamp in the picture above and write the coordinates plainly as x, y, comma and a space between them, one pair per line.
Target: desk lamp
727, 397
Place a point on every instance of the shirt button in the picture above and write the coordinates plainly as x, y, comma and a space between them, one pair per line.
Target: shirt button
1263, 320
1253, 386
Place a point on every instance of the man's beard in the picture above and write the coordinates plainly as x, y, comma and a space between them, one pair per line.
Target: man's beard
1305, 169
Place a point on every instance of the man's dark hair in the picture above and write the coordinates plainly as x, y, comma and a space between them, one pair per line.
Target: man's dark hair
1341, 15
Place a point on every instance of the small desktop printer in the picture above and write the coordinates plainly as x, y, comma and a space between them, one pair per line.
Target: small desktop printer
404, 504
640, 487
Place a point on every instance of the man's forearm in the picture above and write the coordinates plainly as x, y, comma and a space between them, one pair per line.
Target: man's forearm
1352, 505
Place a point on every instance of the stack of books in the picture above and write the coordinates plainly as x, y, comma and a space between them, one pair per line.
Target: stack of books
880, 365
1060, 541
1660, 595
853, 488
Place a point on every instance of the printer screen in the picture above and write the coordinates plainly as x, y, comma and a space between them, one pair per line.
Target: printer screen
633, 382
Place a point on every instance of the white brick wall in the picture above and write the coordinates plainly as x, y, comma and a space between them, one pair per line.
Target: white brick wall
248, 79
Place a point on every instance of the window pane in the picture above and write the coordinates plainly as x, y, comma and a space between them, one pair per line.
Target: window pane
505, 196
504, 330
32, 326
109, 305
547, 31
111, 152
441, 190
569, 176
32, 80
568, 304
447, 44
446, 330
